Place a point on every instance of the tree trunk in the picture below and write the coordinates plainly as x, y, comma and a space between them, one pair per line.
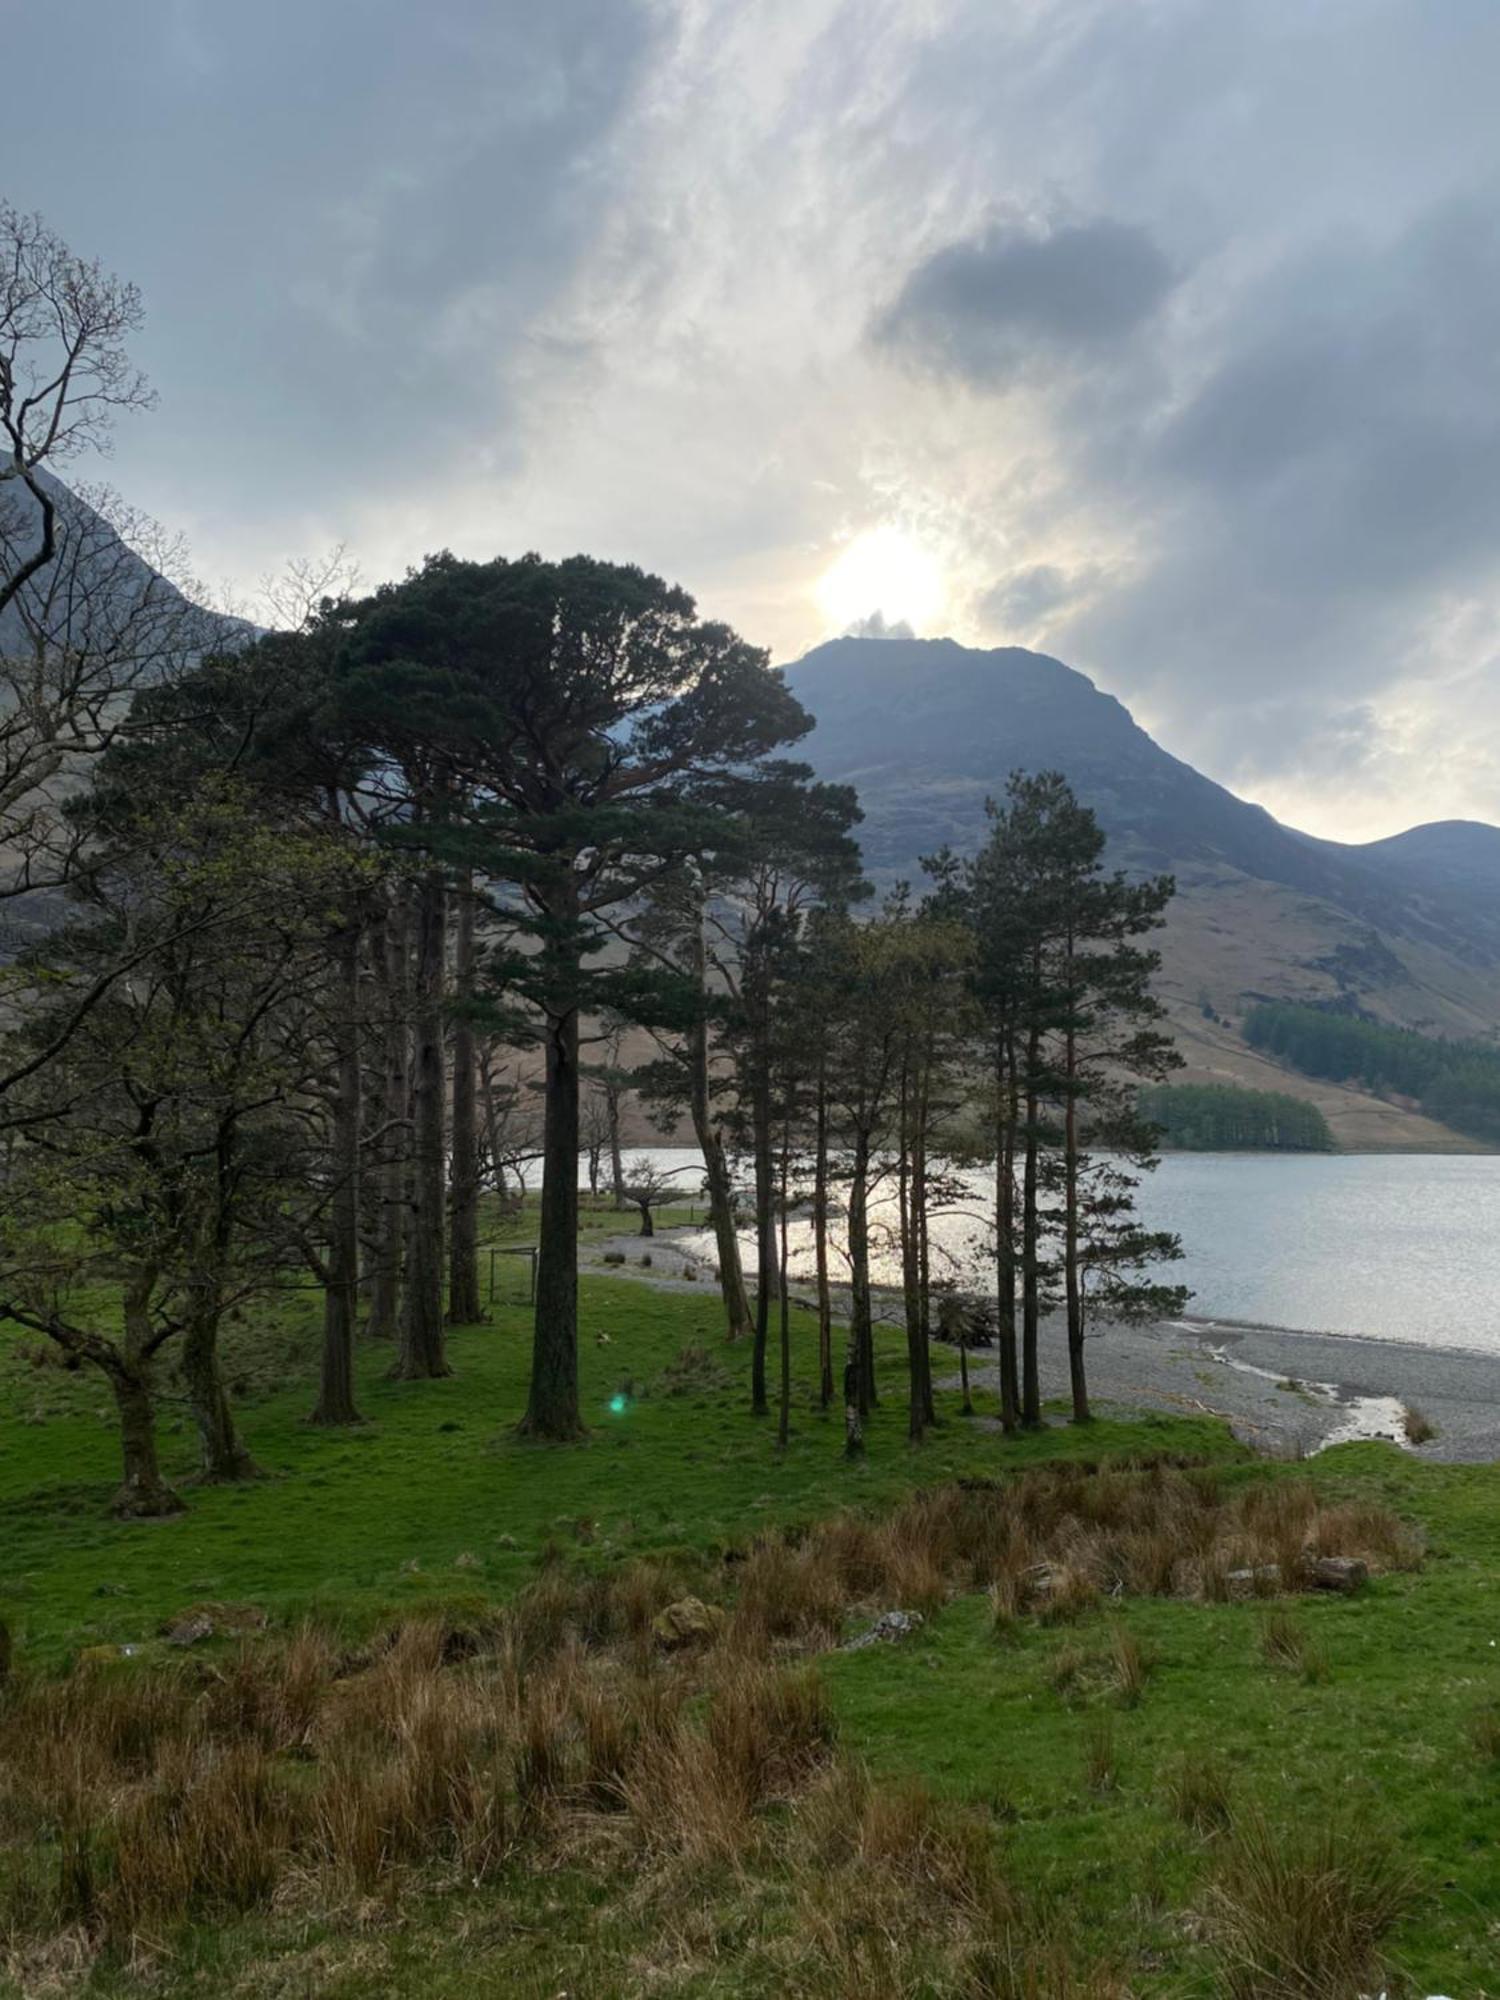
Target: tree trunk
142, 1495
616, 1157
335, 1403
924, 1246
423, 1355
783, 1300
1005, 1243
910, 1262
715, 1164
464, 1307
393, 966
648, 1221
861, 1330
1077, 1378
820, 1239
1031, 1393
225, 1460
552, 1409
765, 1227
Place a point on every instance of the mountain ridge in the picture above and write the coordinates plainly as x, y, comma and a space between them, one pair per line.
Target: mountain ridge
1399, 928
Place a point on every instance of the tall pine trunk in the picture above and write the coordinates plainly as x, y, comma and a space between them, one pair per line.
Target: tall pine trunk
464, 1307
783, 1300
820, 1237
919, 1196
1031, 1391
552, 1410
390, 959
910, 1260
335, 1403
423, 1352
715, 1162
616, 1155
1077, 1377
765, 1224
861, 1332
1005, 1235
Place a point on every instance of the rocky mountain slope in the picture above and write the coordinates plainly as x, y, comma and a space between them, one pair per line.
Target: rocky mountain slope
1406, 928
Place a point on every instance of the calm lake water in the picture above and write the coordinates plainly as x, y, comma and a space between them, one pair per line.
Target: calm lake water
1395, 1246
1392, 1246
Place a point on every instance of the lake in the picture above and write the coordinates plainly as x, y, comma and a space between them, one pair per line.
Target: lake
1393, 1246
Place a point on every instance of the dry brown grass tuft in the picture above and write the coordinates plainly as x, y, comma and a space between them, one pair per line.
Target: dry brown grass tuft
1299, 1914
1129, 1666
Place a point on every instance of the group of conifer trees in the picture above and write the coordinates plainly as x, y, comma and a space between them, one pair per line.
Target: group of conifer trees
352, 908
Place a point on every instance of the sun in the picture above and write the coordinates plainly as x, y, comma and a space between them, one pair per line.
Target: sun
881, 571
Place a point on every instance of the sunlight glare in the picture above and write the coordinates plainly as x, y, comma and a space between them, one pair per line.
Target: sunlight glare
884, 571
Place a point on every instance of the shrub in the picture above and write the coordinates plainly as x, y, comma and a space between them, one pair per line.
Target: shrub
1299, 1913
1418, 1426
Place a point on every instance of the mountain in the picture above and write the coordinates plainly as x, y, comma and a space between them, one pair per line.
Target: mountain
1406, 929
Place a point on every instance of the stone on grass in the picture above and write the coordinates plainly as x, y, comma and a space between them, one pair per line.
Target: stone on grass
688, 1622
887, 1629
213, 1621
1335, 1572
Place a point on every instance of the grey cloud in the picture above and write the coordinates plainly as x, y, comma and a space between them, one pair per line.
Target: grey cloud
983, 308
1333, 476
345, 218
1020, 601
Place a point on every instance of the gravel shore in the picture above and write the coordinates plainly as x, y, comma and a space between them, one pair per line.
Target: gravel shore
1284, 1391
1280, 1390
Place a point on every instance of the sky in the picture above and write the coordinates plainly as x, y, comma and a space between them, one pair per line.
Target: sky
1159, 335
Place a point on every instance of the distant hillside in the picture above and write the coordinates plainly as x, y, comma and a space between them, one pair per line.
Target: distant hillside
1406, 930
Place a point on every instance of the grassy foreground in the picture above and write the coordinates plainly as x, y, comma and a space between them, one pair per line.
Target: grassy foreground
1107, 1780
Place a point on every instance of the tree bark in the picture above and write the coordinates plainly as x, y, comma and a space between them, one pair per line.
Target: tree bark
765, 1226
464, 1307
783, 1302
423, 1354
861, 1329
552, 1410
910, 1260
335, 1404
225, 1459
392, 959
1077, 1377
924, 1245
715, 1164
1031, 1394
820, 1238
616, 1156
142, 1495
1005, 1239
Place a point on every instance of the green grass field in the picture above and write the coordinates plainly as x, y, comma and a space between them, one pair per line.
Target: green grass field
433, 1502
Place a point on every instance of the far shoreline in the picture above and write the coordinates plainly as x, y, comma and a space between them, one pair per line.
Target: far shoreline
1287, 1391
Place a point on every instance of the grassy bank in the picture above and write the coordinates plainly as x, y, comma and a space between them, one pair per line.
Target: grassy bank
1087, 1791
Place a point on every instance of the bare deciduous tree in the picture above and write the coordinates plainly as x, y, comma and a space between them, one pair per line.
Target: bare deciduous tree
64, 371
